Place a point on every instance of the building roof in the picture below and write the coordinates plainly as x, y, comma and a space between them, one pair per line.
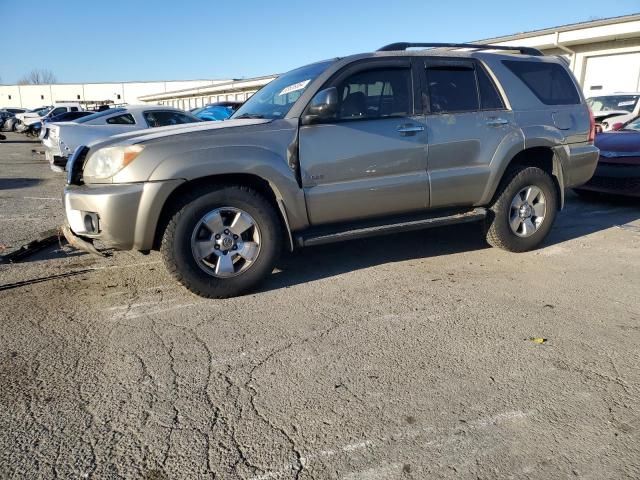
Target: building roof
564, 28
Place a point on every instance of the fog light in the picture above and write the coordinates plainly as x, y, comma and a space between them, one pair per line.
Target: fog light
91, 222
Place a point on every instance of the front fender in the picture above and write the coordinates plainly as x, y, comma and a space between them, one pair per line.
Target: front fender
229, 160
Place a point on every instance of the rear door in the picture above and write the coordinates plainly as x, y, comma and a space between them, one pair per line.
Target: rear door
466, 120
369, 160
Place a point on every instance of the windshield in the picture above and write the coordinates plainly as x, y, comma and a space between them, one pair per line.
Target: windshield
275, 99
613, 102
633, 125
104, 113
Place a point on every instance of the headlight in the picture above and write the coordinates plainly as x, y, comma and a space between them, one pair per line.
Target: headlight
106, 162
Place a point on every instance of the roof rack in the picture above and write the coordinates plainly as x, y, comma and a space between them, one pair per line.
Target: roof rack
404, 45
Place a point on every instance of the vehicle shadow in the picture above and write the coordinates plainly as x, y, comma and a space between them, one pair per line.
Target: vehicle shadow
324, 261
579, 218
582, 217
17, 183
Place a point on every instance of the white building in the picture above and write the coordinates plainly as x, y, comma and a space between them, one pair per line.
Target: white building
32, 96
604, 54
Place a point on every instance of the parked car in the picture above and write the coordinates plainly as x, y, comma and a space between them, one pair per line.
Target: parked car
363, 145
65, 137
618, 108
63, 117
216, 111
11, 123
14, 110
27, 119
618, 170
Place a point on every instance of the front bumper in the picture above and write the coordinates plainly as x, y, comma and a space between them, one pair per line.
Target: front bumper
615, 178
120, 216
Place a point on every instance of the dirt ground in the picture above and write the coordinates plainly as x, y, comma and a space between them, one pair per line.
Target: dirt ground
408, 356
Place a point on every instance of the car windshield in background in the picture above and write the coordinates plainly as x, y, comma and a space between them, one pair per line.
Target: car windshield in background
613, 103
276, 98
633, 125
104, 113
215, 112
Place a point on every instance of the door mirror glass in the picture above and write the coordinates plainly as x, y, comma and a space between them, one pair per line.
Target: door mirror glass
323, 106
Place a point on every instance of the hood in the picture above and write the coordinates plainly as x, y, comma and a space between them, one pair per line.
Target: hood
622, 141
140, 136
622, 144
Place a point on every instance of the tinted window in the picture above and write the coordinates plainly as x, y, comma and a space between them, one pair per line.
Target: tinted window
163, 118
104, 113
126, 119
452, 89
548, 81
376, 94
74, 109
489, 97
58, 111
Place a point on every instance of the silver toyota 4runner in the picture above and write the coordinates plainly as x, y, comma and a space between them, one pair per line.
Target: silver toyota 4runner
369, 144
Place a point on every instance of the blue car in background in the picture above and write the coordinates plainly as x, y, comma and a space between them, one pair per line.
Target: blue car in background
216, 111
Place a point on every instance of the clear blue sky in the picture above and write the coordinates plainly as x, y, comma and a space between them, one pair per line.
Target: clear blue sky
112, 40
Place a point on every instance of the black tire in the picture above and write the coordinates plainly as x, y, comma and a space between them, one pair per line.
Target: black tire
498, 231
176, 240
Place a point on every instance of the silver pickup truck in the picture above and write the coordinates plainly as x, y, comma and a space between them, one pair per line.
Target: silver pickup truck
398, 139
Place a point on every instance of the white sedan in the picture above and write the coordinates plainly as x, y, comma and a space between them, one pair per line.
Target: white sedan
63, 138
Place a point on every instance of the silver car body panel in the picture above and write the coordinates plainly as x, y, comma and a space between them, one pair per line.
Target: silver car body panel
346, 171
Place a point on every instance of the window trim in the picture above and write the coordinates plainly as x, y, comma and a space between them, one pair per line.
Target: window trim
471, 63
368, 64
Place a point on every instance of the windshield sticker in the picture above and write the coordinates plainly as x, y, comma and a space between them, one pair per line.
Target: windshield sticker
627, 103
294, 87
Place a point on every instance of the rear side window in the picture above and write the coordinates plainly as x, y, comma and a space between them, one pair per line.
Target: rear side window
490, 99
126, 119
379, 93
452, 89
165, 118
548, 81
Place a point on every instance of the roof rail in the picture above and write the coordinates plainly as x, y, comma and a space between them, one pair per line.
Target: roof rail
404, 45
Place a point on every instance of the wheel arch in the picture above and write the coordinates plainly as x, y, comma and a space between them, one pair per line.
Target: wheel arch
255, 182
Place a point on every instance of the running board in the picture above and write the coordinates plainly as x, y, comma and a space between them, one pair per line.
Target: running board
324, 235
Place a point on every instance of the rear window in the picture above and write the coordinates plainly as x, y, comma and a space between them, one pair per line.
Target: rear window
548, 81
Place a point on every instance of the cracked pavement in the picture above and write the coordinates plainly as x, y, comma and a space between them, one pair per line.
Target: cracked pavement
353, 361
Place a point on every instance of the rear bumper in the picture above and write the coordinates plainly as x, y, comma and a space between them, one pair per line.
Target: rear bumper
121, 216
619, 179
581, 164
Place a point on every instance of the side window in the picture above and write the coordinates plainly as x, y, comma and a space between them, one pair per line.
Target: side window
160, 118
548, 81
74, 109
490, 99
375, 94
125, 119
452, 89
58, 111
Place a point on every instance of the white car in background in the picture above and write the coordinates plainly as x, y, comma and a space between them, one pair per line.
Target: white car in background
615, 108
29, 118
63, 138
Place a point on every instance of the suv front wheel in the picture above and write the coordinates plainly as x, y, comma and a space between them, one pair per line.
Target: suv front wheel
222, 242
523, 211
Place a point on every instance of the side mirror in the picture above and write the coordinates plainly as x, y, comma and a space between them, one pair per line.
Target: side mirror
323, 106
617, 126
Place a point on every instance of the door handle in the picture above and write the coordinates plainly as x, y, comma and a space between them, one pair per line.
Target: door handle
409, 128
496, 122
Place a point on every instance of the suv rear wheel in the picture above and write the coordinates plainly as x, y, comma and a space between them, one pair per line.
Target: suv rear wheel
222, 242
523, 211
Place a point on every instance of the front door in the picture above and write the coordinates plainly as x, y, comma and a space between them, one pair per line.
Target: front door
466, 121
370, 160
